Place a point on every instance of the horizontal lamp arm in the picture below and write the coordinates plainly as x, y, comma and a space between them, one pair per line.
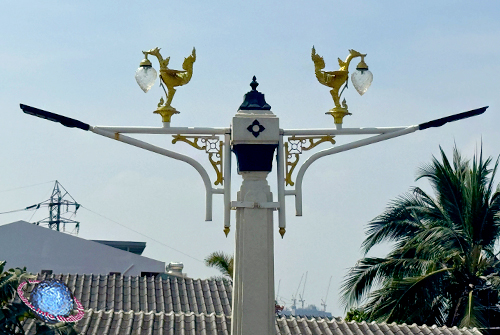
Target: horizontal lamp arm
172, 154
166, 130
374, 139
343, 131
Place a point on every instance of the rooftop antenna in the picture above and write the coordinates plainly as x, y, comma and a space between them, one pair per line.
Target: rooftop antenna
303, 289
59, 203
323, 302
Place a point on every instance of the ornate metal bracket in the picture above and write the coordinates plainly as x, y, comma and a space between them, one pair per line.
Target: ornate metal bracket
211, 145
295, 146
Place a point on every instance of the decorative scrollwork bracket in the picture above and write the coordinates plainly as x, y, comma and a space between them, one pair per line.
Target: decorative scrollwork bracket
295, 146
212, 146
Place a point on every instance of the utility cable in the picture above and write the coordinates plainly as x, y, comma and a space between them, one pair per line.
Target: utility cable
135, 231
18, 188
35, 207
34, 212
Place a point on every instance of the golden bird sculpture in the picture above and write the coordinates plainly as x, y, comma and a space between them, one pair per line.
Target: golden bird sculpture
171, 79
335, 80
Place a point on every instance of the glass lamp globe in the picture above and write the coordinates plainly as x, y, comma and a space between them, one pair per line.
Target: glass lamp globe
145, 75
361, 80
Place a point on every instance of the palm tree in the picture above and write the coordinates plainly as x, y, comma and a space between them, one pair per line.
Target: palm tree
442, 268
222, 262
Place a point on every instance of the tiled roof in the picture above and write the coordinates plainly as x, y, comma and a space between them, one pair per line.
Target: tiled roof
123, 305
120, 323
148, 294
317, 326
125, 323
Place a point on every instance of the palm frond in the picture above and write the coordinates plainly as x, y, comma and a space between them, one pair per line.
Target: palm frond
447, 180
406, 300
398, 222
371, 271
473, 316
222, 262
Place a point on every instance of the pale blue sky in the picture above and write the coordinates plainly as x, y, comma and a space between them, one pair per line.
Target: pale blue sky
429, 59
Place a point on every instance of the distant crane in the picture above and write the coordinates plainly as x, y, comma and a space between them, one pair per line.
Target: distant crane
58, 205
323, 302
303, 289
294, 297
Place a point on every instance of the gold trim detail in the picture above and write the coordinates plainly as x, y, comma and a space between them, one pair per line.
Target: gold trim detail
166, 112
226, 230
290, 166
295, 146
338, 113
282, 231
212, 146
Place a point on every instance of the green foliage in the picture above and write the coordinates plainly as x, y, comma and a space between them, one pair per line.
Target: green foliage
58, 328
356, 314
442, 268
222, 262
9, 280
13, 314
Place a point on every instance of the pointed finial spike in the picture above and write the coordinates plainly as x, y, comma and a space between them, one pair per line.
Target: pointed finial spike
254, 83
226, 231
282, 231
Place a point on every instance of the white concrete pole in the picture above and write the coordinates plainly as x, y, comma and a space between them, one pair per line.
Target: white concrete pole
254, 139
253, 295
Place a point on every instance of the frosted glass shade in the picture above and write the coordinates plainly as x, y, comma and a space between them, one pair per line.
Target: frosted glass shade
362, 79
145, 77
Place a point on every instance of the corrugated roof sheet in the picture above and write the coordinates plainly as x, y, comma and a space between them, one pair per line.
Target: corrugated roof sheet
148, 294
121, 323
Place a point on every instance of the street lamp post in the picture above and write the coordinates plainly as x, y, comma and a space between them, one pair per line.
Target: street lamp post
255, 137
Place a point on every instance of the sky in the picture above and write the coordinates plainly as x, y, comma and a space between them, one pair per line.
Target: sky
429, 59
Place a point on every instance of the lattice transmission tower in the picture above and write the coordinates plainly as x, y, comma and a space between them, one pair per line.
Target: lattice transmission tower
60, 203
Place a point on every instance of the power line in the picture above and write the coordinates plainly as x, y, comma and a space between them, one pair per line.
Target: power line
34, 212
37, 206
18, 188
33, 207
135, 231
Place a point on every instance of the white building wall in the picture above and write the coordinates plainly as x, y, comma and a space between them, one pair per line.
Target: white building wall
38, 248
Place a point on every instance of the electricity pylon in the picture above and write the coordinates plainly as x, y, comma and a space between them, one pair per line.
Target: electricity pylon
58, 206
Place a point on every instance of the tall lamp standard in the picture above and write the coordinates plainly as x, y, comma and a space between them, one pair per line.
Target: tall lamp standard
255, 137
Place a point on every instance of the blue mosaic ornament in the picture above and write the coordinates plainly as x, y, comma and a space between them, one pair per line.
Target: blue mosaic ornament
53, 297
52, 301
